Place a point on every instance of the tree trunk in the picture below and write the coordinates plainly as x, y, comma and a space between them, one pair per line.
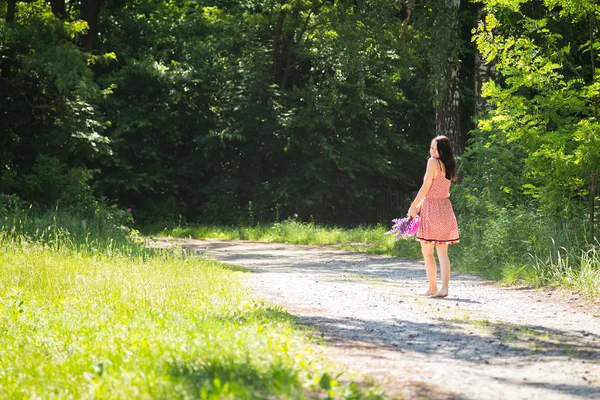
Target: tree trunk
286, 70
409, 12
447, 113
483, 73
90, 12
12, 10
292, 48
59, 9
277, 42
593, 59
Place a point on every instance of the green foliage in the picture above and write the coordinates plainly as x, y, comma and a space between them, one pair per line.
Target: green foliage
51, 183
528, 168
542, 103
51, 129
103, 228
199, 108
298, 108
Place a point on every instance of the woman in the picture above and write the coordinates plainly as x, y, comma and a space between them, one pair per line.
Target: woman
438, 226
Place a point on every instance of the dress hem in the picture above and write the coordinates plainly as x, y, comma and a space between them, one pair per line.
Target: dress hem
453, 241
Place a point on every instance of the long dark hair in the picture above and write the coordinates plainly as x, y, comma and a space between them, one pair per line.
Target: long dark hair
446, 156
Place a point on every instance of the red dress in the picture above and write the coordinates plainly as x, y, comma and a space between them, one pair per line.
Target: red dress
438, 222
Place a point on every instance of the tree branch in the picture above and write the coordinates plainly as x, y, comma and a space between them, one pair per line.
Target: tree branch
278, 32
409, 12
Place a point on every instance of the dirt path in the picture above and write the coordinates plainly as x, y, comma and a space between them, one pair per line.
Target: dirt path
482, 342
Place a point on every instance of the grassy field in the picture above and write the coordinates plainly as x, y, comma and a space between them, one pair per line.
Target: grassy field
87, 315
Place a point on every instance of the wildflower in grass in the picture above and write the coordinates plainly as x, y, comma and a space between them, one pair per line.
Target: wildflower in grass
128, 210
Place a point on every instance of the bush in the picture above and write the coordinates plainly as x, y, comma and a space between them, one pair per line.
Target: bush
50, 184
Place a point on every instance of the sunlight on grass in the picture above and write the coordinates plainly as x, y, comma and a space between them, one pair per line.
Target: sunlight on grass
370, 239
87, 312
567, 269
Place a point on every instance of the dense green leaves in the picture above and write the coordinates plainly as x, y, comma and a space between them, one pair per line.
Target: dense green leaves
542, 98
50, 125
299, 107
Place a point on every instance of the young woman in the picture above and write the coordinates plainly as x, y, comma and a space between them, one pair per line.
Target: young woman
438, 226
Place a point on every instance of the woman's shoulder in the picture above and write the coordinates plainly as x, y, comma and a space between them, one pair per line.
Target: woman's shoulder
435, 165
432, 162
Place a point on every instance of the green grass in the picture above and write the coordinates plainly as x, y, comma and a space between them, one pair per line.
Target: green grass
58, 229
561, 268
85, 314
368, 239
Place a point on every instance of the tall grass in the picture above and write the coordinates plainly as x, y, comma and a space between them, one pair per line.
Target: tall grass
107, 230
87, 315
576, 271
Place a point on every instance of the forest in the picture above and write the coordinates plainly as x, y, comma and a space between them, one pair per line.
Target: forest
254, 112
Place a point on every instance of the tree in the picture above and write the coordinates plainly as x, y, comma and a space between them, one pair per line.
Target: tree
47, 93
298, 109
444, 39
447, 113
543, 99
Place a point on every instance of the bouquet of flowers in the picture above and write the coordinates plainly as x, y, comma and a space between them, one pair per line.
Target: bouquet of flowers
405, 226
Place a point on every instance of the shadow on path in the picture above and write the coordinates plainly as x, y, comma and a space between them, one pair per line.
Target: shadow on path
487, 343
324, 261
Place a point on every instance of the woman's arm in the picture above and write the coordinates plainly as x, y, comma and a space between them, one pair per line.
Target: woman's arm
415, 207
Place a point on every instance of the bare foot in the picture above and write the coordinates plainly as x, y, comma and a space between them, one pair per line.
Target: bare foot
441, 293
429, 293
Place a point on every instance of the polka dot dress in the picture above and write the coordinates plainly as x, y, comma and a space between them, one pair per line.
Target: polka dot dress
438, 222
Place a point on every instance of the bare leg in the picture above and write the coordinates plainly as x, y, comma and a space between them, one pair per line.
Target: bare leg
442, 253
430, 268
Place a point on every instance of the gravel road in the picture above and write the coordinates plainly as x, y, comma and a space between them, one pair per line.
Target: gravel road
481, 342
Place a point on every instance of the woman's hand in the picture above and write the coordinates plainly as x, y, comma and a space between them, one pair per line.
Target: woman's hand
412, 211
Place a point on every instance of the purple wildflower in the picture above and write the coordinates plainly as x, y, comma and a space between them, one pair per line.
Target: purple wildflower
400, 227
128, 210
404, 227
